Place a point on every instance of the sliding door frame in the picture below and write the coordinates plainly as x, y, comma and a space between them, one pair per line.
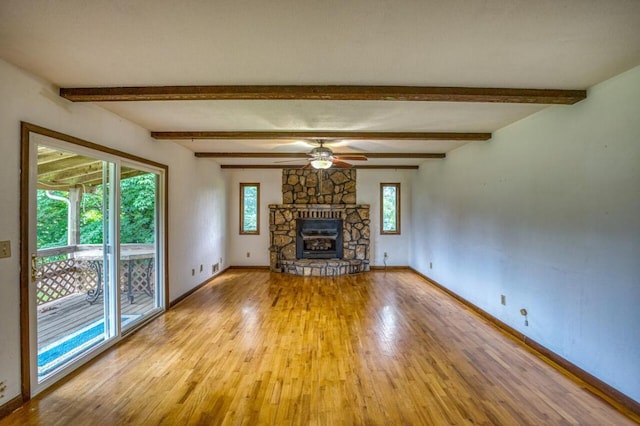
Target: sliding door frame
26, 130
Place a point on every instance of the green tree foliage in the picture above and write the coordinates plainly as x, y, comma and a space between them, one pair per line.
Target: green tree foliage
137, 209
389, 208
250, 212
91, 226
51, 220
137, 214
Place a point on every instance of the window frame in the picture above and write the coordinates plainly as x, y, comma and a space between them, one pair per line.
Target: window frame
397, 187
244, 185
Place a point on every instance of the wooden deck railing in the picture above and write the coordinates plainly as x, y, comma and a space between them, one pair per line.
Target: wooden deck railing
61, 271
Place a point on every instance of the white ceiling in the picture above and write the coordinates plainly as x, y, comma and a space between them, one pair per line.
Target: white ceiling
546, 44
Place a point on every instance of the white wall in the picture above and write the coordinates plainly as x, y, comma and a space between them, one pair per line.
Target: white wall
197, 216
197, 221
397, 247
368, 192
548, 214
257, 246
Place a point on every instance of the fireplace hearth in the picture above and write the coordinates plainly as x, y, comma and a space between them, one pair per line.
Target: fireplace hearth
319, 239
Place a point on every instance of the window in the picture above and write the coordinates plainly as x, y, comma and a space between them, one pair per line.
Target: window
389, 208
250, 208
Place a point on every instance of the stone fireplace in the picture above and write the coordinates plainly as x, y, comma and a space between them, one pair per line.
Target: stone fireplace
319, 230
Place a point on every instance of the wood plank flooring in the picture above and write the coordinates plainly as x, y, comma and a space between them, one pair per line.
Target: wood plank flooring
253, 347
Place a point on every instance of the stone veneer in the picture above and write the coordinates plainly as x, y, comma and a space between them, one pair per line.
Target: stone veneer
310, 186
355, 231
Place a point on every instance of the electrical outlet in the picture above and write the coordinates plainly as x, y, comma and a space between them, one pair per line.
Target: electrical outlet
503, 299
200, 267
524, 313
430, 265
3, 388
215, 268
5, 249
248, 254
193, 272
385, 254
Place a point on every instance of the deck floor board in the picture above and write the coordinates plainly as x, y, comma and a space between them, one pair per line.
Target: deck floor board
64, 316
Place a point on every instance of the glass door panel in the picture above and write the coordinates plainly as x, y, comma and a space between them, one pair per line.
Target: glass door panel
138, 277
72, 261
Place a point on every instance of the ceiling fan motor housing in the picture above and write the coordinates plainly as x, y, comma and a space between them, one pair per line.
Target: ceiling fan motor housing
322, 152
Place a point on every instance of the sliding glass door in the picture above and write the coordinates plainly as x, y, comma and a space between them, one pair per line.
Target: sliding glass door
95, 252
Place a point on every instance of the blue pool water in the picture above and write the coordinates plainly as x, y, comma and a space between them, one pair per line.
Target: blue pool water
59, 352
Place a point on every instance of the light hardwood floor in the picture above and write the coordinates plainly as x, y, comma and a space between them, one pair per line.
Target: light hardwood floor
253, 347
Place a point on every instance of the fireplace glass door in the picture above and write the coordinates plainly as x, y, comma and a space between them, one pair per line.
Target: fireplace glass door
319, 239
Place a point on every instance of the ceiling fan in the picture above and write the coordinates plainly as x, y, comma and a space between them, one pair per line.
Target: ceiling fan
323, 157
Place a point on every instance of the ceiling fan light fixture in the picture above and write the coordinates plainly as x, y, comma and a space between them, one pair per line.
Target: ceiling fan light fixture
321, 163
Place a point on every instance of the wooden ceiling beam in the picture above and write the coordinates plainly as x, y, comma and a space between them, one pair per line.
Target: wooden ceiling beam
74, 174
51, 156
323, 93
66, 163
283, 166
320, 134
97, 179
304, 155
88, 179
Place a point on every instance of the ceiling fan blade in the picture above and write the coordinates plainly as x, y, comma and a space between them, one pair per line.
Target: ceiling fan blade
352, 157
341, 164
337, 143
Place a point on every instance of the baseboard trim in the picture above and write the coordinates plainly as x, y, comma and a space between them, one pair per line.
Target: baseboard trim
196, 288
377, 268
602, 390
10, 406
249, 267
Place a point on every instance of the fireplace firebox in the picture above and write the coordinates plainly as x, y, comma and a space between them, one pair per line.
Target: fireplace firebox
319, 239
